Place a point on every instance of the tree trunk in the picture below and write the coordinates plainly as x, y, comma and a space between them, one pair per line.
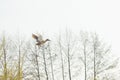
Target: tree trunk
5, 63
19, 76
69, 67
63, 75
51, 62
44, 57
85, 61
37, 63
94, 62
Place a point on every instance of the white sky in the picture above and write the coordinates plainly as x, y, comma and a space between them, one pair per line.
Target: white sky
51, 16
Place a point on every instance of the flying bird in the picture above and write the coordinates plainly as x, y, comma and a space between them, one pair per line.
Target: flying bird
39, 39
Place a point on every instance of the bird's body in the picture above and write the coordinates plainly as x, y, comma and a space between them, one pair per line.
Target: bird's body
39, 39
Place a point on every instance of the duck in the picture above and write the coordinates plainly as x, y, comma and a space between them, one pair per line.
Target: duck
39, 39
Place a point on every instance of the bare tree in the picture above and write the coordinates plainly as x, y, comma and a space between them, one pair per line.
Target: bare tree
101, 57
61, 54
68, 36
51, 61
96, 52
84, 40
94, 58
33, 62
45, 64
4, 52
68, 54
20, 58
69, 50
37, 63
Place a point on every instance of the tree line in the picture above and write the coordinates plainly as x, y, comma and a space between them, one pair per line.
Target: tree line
66, 57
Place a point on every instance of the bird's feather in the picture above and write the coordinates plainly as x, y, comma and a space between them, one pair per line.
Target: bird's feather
35, 37
40, 38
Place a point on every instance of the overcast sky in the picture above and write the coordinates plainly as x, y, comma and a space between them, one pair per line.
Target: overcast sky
51, 16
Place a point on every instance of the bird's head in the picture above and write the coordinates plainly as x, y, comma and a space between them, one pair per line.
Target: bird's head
47, 39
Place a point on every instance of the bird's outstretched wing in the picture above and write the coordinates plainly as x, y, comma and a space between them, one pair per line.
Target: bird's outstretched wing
40, 38
35, 37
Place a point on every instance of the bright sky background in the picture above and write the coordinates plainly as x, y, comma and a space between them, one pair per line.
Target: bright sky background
51, 16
